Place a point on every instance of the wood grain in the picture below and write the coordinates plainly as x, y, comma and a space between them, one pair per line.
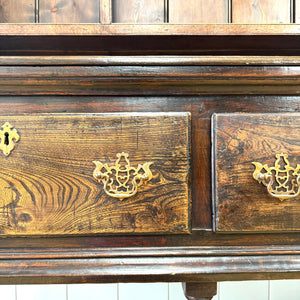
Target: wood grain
47, 187
138, 11
242, 204
69, 11
198, 11
150, 29
261, 11
105, 11
16, 11
152, 80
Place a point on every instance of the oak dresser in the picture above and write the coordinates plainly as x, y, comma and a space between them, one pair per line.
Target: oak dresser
138, 145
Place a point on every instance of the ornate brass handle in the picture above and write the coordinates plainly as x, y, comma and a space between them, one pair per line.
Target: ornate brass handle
282, 180
122, 180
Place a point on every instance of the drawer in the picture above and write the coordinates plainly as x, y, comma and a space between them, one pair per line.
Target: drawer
256, 166
69, 174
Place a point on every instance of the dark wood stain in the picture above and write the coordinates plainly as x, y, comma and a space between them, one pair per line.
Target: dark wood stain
242, 204
47, 185
56, 187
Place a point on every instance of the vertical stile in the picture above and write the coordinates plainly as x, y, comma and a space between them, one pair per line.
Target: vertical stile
293, 11
36, 9
105, 11
229, 11
166, 11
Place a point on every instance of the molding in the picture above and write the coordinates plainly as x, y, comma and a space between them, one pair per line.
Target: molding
192, 251
147, 29
218, 268
163, 76
150, 60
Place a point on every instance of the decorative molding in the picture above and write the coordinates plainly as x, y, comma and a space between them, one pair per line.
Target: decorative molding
130, 269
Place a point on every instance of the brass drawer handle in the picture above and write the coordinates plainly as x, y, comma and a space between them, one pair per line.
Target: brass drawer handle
282, 180
122, 180
9, 136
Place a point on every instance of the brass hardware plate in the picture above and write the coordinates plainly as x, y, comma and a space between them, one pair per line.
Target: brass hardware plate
122, 180
9, 136
282, 180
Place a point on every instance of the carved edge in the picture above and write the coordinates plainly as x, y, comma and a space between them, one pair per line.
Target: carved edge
146, 269
107, 252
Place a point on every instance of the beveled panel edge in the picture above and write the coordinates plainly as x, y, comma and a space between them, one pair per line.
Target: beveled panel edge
108, 252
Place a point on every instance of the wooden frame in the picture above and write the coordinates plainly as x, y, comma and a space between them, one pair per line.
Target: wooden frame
200, 85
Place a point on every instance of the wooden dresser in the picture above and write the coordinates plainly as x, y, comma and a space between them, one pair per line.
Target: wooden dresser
136, 147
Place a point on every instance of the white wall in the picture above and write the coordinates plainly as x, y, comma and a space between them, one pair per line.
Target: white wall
244, 290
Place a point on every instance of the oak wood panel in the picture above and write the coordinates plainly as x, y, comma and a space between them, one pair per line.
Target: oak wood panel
261, 11
138, 11
242, 204
47, 186
198, 11
69, 11
16, 11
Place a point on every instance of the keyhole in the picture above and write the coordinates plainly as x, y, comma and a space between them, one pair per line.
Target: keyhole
6, 140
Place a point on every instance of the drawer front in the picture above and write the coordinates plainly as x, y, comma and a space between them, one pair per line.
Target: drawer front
256, 165
94, 174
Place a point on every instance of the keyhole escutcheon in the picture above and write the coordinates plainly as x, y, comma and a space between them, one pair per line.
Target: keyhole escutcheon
6, 138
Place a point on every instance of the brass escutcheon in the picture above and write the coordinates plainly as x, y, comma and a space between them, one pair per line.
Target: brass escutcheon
9, 136
122, 180
282, 180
